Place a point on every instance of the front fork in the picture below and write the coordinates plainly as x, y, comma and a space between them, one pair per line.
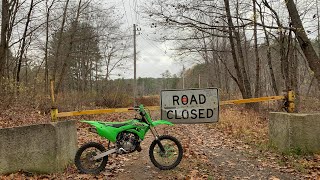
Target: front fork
156, 136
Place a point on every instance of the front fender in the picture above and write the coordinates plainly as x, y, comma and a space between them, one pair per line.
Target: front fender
161, 122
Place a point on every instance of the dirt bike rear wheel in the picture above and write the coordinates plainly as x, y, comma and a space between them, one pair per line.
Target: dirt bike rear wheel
85, 163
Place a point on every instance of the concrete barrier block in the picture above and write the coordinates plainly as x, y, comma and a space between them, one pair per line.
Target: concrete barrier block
43, 148
295, 132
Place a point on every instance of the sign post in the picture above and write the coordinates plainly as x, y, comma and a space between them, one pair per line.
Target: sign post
190, 106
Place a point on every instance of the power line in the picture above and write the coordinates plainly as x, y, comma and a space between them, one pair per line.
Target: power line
138, 10
138, 15
135, 10
154, 45
125, 14
151, 43
131, 13
146, 39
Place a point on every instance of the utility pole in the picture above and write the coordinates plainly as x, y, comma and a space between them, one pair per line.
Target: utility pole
318, 28
182, 74
199, 81
134, 66
182, 81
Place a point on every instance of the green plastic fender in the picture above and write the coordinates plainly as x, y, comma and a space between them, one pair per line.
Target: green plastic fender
109, 132
161, 122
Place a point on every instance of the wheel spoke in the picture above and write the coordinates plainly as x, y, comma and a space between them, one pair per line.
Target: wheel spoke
170, 155
84, 158
87, 158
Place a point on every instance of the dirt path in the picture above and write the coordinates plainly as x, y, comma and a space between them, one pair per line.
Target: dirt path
209, 156
139, 166
230, 164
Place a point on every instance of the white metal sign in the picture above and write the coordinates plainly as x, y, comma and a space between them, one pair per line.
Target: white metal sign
190, 106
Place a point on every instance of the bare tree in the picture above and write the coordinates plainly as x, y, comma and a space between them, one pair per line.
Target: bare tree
304, 41
256, 51
46, 69
57, 50
65, 63
269, 57
239, 64
23, 44
8, 13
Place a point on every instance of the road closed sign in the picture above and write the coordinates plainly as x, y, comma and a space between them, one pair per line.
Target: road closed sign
190, 106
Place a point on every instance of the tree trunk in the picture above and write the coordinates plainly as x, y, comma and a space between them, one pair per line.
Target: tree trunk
217, 67
46, 70
294, 74
304, 41
57, 51
257, 85
281, 40
269, 57
23, 45
65, 63
4, 43
242, 77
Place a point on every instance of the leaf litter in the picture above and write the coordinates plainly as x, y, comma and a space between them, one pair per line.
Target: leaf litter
233, 148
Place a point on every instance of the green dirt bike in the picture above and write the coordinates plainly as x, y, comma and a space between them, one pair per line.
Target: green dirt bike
165, 151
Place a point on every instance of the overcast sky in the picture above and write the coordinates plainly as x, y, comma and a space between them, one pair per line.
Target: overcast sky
153, 57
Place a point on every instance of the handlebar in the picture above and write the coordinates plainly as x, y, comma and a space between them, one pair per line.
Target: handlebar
144, 115
134, 108
139, 108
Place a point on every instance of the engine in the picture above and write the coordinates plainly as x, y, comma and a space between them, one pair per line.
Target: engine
128, 141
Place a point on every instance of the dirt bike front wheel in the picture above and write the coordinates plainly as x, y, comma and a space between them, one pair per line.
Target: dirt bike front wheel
167, 157
84, 158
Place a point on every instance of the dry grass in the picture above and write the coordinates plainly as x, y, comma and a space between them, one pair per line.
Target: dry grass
251, 128
149, 100
248, 126
309, 105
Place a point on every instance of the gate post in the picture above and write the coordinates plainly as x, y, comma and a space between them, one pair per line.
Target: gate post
291, 99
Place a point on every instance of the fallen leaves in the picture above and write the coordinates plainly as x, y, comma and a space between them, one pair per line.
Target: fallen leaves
211, 151
18, 115
273, 178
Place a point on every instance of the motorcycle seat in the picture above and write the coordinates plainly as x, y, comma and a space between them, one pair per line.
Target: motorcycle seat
115, 125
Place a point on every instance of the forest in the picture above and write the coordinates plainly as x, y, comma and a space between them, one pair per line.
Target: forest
58, 56
246, 48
